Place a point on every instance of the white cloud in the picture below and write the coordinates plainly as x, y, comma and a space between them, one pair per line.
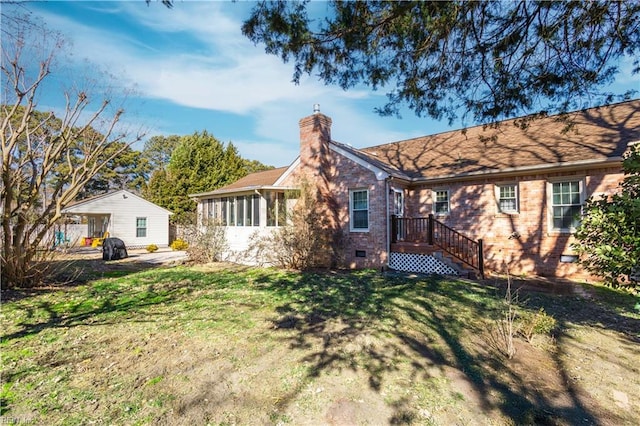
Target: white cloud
226, 72
195, 55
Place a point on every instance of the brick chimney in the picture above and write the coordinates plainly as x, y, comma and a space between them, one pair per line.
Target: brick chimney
316, 168
315, 134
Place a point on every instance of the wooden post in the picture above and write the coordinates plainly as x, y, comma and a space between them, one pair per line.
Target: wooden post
480, 258
430, 230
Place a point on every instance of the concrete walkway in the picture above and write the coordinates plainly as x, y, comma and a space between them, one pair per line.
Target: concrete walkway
163, 256
159, 257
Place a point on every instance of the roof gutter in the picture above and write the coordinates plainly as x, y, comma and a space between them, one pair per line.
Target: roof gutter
253, 188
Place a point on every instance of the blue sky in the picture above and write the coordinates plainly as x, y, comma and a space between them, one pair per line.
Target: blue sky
190, 69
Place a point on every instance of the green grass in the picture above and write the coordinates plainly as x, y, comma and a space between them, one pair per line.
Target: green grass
132, 348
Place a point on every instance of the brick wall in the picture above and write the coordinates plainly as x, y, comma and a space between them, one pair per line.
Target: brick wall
523, 242
334, 176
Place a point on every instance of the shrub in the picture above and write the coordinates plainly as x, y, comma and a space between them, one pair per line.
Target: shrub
179, 245
532, 323
500, 334
207, 243
151, 248
310, 239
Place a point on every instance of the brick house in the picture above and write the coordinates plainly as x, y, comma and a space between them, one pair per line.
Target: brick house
484, 198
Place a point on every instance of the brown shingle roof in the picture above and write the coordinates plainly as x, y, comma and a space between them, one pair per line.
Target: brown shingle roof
596, 134
253, 180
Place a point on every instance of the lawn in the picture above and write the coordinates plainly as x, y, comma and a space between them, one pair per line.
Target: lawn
222, 345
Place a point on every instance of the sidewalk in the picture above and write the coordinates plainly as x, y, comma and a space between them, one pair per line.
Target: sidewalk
162, 256
159, 257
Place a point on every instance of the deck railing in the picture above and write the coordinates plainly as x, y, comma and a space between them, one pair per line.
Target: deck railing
431, 231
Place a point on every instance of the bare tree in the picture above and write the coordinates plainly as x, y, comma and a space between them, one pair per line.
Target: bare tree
46, 159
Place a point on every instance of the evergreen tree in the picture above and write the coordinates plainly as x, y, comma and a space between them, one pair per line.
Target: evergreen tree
129, 170
199, 163
158, 149
487, 59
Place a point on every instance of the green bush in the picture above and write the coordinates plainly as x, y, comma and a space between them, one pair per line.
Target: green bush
532, 323
608, 239
151, 248
179, 245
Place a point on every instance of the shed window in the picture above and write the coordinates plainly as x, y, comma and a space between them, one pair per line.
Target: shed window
141, 227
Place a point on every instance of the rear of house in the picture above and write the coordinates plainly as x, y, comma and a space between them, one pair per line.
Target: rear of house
518, 187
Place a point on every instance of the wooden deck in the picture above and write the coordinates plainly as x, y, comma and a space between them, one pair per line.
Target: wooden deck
426, 235
415, 248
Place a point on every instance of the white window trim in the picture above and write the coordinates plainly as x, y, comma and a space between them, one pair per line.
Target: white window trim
497, 187
146, 226
582, 188
351, 228
434, 196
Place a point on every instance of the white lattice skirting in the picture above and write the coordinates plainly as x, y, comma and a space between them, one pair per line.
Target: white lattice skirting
422, 263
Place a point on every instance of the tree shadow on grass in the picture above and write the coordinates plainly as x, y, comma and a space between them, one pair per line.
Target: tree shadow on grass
109, 301
431, 321
77, 272
421, 328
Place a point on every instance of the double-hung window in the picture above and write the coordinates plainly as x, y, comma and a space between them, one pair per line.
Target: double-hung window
566, 205
507, 195
359, 210
441, 201
141, 227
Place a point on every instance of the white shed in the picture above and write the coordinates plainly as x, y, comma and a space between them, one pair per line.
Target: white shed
124, 215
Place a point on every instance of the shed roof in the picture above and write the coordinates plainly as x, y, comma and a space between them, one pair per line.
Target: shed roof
77, 206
